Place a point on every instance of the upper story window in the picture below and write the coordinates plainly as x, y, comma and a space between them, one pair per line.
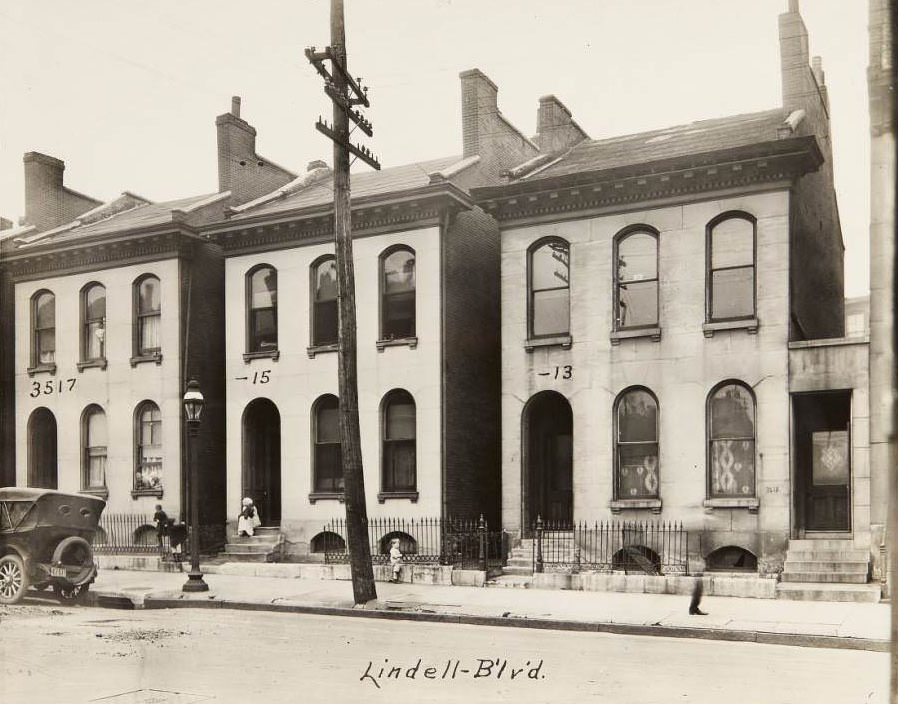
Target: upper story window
731, 267
43, 326
397, 307
93, 323
262, 309
148, 317
731, 441
324, 302
93, 449
148, 448
328, 459
636, 279
549, 288
636, 444
399, 432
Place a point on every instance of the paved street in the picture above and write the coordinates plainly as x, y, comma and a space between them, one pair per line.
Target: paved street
51, 653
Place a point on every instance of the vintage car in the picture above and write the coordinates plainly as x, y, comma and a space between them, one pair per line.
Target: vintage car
45, 541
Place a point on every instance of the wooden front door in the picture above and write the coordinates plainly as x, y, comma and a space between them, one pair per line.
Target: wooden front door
827, 491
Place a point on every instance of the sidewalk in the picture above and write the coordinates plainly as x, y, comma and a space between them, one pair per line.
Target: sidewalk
815, 624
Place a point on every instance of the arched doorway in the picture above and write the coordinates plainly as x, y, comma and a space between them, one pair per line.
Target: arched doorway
547, 481
262, 459
42, 473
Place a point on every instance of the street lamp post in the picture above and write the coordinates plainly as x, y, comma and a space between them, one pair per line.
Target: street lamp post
193, 410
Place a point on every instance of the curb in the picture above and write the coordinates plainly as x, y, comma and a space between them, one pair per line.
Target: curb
719, 634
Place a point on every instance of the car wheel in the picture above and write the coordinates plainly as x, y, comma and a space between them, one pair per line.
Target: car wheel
74, 551
13, 579
71, 593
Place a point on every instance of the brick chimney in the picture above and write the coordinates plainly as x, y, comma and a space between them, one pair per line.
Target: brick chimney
555, 128
240, 169
48, 203
799, 84
485, 131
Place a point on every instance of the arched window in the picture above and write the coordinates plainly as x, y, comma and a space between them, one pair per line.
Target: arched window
324, 301
549, 288
147, 317
43, 329
397, 307
327, 463
731, 267
636, 444
731, 441
398, 424
93, 449
148, 448
262, 309
636, 279
93, 323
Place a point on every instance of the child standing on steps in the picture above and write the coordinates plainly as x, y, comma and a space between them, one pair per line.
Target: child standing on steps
395, 560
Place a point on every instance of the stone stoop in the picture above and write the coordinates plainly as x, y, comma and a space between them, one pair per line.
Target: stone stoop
266, 545
827, 570
520, 560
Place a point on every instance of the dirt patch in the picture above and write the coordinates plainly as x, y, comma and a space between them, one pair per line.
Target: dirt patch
26, 611
137, 635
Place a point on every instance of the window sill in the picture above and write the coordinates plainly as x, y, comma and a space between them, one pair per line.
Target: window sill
326, 496
563, 341
312, 350
618, 505
384, 495
92, 364
273, 355
42, 369
750, 325
751, 503
411, 342
653, 333
157, 492
100, 491
144, 358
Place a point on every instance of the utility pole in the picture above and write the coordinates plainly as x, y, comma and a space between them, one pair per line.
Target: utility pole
346, 92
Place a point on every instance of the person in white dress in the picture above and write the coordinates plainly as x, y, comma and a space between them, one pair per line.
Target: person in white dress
248, 520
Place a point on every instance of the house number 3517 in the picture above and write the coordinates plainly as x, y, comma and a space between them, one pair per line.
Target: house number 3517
51, 387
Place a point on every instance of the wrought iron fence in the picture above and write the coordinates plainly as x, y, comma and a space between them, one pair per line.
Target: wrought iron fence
135, 533
650, 547
464, 543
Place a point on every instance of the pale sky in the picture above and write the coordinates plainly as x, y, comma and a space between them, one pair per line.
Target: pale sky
126, 93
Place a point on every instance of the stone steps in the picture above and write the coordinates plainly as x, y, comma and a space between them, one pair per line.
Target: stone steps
826, 570
262, 546
798, 591
852, 567
825, 577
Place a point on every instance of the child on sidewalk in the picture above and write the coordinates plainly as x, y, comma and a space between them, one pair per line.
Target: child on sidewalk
395, 560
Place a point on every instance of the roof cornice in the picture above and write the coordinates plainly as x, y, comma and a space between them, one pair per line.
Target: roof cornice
739, 167
407, 209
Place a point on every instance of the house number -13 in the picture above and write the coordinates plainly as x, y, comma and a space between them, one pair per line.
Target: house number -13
563, 372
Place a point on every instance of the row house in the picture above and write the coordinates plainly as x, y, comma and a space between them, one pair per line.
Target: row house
426, 263
112, 307
672, 333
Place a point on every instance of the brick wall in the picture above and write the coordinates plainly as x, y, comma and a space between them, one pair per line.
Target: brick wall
485, 131
7, 386
202, 334
240, 169
48, 203
471, 370
816, 248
